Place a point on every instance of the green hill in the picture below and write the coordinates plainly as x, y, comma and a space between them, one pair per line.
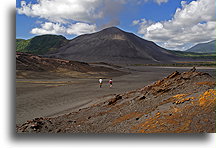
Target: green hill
204, 48
41, 44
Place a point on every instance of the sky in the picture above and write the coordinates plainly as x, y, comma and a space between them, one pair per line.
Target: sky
172, 24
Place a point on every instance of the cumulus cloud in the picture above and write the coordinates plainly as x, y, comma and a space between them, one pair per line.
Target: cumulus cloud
192, 23
81, 14
81, 28
61, 13
57, 28
77, 10
63, 10
49, 28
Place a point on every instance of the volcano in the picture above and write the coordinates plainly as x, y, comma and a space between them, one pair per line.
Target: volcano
113, 45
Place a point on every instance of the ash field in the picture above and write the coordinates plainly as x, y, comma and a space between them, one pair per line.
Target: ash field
76, 102
154, 90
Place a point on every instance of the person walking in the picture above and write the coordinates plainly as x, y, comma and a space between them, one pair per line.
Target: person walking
110, 82
100, 82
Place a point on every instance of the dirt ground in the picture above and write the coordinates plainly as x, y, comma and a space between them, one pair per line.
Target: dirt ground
47, 98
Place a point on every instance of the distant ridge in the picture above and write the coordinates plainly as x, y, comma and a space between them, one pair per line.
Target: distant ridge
209, 47
113, 45
29, 66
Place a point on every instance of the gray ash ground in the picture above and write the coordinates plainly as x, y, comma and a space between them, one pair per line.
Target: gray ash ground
179, 103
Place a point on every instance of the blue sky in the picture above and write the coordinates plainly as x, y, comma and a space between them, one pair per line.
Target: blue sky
172, 24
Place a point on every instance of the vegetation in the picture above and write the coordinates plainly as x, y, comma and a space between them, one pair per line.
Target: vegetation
194, 55
22, 44
41, 44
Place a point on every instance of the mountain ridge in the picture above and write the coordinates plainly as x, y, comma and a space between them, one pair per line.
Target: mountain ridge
208, 47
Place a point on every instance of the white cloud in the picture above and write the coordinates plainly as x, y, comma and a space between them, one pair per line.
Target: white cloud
61, 15
156, 1
49, 28
62, 10
155, 26
161, 1
81, 28
66, 10
193, 23
57, 28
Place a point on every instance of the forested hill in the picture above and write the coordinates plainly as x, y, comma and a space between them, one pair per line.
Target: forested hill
41, 44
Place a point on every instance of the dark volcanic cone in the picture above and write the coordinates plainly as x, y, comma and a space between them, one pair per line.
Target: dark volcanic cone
113, 45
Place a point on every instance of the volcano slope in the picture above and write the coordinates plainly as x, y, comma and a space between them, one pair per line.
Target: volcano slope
113, 45
179, 103
29, 66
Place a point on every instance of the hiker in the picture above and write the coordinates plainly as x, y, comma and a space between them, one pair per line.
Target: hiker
110, 82
100, 82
